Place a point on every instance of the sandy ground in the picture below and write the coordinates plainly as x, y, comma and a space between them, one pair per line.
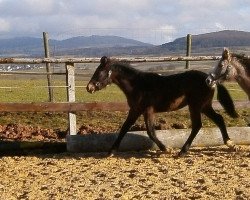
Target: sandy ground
205, 173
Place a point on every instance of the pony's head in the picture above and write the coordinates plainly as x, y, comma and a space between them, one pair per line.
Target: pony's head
224, 70
101, 77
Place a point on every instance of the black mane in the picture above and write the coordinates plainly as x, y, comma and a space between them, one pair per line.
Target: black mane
125, 68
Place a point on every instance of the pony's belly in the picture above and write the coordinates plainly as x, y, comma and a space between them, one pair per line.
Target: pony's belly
172, 105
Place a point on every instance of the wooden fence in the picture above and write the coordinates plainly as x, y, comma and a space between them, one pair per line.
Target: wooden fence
71, 106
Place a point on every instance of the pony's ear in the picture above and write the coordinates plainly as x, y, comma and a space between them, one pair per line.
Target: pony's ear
104, 60
226, 54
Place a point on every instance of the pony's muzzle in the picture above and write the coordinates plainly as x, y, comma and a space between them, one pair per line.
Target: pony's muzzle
91, 88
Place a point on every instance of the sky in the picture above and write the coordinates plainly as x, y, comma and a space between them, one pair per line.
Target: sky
151, 21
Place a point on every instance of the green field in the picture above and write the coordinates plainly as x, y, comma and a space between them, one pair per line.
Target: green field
34, 89
37, 91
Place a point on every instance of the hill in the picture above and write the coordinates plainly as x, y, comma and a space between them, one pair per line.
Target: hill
226, 38
29, 46
97, 41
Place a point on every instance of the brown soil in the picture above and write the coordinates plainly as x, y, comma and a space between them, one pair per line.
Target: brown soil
53, 126
205, 173
19, 132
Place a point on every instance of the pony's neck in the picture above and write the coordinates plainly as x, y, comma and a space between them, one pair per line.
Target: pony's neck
241, 77
122, 76
244, 62
244, 83
241, 66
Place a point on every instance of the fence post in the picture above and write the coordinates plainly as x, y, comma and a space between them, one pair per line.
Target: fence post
47, 54
188, 53
70, 81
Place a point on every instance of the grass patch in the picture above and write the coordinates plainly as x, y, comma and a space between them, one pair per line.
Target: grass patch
35, 90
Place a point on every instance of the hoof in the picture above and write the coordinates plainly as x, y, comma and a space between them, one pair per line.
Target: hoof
181, 154
232, 146
169, 151
111, 153
230, 143
163, 149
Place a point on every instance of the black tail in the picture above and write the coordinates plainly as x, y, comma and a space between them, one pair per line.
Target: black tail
226, 101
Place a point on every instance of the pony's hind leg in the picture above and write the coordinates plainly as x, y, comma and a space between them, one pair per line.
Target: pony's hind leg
219, 121
149, 121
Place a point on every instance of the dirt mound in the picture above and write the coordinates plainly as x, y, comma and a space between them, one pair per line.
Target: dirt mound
25, 132
36, 133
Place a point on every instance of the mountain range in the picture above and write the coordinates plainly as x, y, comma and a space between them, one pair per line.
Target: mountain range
115, 46
30, 46
226, 38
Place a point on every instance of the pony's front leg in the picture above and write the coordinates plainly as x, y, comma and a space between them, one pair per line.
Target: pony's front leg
131, 119
196, 126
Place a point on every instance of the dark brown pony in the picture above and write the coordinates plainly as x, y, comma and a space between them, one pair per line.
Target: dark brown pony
148, 93
232, 67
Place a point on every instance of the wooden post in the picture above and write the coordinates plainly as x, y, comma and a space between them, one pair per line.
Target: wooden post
49, 77
188, 53
70, 81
